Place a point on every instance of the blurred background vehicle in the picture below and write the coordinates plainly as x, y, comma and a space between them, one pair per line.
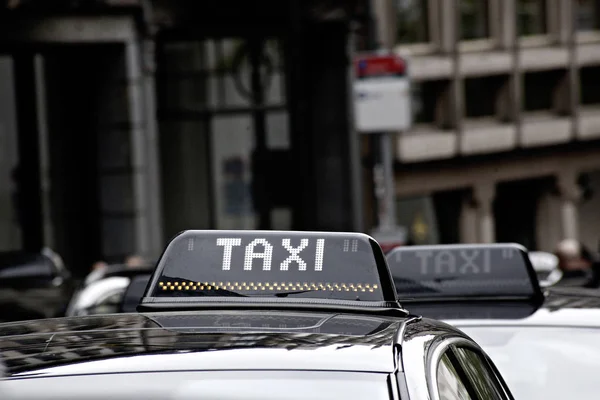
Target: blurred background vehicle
107, 294
546, 267
33, 285
541, 339
552, 354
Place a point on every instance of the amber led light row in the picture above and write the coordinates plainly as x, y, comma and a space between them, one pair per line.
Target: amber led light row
260, 286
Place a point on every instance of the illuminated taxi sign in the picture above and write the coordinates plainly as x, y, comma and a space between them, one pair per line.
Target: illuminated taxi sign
463, 271
270, 266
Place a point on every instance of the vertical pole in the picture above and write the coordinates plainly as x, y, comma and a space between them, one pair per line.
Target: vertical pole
484, 194
133, 57
153, 155
28, 182
256, 44
570, 193
573, 69
388, 200
516, 78
384, 169
149, 65
356, 181
457, 83
377, 142
45, 181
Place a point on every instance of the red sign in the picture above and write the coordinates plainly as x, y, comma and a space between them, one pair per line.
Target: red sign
386, 247
374, 65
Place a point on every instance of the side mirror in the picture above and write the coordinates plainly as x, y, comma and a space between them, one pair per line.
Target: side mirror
546, 267
134, 293
19, 270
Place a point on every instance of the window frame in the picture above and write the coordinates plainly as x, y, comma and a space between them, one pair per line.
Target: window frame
552, 34
178, 109
485, 361
430, 46
488, 42
587, 37
461, 376
584, 36
448, 347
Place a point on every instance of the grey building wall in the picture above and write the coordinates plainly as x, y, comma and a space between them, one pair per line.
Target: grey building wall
505, 91
97, 98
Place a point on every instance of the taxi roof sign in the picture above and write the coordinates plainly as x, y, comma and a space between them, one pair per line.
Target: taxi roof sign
464, 271
219, 268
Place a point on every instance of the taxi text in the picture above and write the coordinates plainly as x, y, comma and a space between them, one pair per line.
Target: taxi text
266, 255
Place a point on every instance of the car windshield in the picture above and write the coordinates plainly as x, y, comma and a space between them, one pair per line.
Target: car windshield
544, 362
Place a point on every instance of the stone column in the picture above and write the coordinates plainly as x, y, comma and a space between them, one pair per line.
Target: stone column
468, 221
483, 195
570, 195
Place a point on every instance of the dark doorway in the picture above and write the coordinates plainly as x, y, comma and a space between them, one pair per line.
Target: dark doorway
515, 209
71, 78
448, 206
60, 107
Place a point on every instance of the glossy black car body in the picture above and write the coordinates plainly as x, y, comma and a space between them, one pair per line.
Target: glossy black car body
232, 354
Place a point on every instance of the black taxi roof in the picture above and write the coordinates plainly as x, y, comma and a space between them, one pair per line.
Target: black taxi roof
199, 340
231, 300
470, 285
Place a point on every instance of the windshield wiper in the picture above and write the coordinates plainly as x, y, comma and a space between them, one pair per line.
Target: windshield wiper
286, 294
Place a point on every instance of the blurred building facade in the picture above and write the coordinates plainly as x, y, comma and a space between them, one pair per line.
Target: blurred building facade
123, 122
506, 140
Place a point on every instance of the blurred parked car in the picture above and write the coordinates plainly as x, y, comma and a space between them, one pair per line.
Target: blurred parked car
546, 268
107, 295
33, 285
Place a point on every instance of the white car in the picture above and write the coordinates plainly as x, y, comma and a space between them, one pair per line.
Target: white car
546, 267
105, 294
99, 297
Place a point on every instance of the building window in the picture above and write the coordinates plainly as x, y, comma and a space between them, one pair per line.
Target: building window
425, 100
412, 21
474, 15
539, 89
587, 17
417, 215
589, 78
531, 17
481, 95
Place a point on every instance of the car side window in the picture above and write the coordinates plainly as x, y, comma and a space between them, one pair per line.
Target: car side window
450, 383
482, 379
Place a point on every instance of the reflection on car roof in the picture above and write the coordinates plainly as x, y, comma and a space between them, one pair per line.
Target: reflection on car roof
562, 307
350, 342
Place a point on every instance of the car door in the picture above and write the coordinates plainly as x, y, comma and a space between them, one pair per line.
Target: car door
460, 370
